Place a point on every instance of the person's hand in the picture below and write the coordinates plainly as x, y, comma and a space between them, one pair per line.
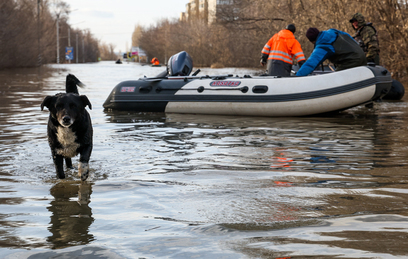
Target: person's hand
263, 63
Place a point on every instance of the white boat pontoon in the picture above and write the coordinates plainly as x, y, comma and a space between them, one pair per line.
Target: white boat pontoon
175, 91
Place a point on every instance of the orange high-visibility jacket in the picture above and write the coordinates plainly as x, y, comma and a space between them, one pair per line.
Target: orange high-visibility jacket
155, 61
283, 46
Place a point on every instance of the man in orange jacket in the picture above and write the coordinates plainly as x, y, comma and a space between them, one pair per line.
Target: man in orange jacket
155, 61
280, 51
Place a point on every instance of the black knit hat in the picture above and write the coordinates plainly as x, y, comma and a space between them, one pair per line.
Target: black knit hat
291, 27
312, 34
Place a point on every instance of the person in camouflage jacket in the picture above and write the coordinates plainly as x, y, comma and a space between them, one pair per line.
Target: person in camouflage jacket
366, 36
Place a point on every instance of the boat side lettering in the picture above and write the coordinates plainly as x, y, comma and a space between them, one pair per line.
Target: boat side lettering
225, 83
127, 89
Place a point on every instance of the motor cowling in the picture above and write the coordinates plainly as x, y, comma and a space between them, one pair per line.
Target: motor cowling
180, 64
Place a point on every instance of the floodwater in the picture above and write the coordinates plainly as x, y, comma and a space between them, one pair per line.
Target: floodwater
197, 186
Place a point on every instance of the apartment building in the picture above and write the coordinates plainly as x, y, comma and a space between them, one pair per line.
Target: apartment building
205, 10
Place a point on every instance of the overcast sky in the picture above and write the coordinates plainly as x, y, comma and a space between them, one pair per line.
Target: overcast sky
113, 21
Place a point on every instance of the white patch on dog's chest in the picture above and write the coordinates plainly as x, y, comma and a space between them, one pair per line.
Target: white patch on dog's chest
67, 138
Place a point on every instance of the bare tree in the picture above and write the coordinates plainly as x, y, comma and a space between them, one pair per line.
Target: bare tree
235, 39
107, 51
21, 39
245, 26
136, 35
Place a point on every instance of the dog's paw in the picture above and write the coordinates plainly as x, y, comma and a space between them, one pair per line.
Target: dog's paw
83, 171
61, 175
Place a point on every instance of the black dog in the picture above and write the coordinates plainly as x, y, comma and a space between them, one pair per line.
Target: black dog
69, 128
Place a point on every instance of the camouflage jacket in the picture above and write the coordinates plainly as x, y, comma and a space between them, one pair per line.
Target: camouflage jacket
366, 36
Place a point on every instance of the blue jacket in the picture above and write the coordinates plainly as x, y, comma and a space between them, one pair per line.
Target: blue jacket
323, 50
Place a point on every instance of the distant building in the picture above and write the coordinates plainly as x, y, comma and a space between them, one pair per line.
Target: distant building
205, 10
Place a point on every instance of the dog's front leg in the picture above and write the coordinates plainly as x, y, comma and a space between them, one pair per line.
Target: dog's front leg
83, 167
68, 163
59, 166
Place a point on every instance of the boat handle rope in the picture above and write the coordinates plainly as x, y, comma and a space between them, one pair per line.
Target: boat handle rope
201, 89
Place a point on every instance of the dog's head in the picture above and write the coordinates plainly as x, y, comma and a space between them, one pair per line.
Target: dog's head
66, 108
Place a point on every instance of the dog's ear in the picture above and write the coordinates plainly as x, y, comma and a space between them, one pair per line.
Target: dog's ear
85, 101
47, 102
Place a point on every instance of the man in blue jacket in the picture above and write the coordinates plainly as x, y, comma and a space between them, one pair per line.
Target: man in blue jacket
337, 46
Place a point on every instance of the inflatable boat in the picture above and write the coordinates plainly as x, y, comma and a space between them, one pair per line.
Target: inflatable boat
396, 92
176, 91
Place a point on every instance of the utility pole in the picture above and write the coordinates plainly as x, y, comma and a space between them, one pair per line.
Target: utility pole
39, 62
69, 37
58, 38
76, 48
83, 51
69, 41
165, 45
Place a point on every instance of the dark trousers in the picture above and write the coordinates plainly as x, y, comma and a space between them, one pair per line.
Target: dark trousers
278, 68
376, 59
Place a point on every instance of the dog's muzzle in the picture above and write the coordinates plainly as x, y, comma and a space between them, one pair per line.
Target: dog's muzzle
66, 121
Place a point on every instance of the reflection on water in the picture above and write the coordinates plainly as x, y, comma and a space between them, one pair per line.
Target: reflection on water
184, 186
70, 219
337, 238
312, 144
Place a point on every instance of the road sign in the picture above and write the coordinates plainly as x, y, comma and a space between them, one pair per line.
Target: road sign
69, 53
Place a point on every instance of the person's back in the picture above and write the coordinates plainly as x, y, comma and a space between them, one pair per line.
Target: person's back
280, 51
337, 46
155, 61
347, 54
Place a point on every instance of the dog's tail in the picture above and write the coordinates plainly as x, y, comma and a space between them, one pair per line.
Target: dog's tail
71, 84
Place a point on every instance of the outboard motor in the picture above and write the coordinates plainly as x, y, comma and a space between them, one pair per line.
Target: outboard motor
180, 64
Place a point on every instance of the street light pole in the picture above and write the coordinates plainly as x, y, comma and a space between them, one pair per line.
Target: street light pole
69, 36
77, 48
69, 41
165, 45
83, 50
39, 62
58, 38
